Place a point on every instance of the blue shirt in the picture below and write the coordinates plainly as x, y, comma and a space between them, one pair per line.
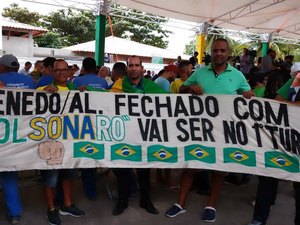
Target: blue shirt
90, 80
163, 83
45, 80
17, 80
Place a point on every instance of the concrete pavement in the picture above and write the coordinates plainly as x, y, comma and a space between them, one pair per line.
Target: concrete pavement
233, 206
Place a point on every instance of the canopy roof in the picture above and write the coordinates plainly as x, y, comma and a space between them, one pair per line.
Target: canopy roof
280, 17
115, 45
13, 28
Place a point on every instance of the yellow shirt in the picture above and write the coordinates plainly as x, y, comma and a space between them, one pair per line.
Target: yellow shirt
60, 88
175, 85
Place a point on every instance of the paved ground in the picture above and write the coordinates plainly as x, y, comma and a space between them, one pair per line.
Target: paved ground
233, 206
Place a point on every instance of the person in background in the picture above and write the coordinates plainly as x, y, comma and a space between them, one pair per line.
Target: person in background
169, 75
26, 68
194, 59
104, 73
257, 84
267, 186
47, 74
51, 177
36, 73
267, 62
9, 77
176, 63
118, 72
245, 61
90, 77
185, 69
74, 72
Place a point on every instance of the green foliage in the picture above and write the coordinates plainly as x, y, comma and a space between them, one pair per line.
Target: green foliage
190, 47
51, 40
70, 27
134, 25
22, 15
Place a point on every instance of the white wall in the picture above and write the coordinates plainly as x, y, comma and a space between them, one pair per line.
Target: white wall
17, 46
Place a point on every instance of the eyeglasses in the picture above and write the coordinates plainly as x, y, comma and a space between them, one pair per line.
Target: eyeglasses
60, 70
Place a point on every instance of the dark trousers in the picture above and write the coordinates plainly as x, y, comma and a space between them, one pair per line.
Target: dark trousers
297, 202
124, 182
88, 176
266, 196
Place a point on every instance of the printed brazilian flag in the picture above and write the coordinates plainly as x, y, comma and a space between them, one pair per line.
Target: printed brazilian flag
126, 152
200, 153
236, 155
88, 150
281, 161
160, 153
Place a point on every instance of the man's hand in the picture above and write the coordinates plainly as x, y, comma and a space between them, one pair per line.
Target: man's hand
248, 94
195, 89
2, 84
52, 151
82, 88
51, 88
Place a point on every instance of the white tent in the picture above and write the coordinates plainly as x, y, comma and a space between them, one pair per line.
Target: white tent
115, 45
280, 17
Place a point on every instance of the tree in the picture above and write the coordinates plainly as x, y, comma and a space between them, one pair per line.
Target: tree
22, 15
136, 26
70, 27
190, 47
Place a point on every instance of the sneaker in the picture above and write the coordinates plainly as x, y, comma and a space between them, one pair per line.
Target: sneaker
53, 218
209, 214
174, 211
255, 222
14, 219
71, 210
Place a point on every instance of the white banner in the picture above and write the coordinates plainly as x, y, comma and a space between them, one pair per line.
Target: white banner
75, 129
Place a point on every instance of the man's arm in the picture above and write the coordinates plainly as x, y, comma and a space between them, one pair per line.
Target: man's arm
281, 99
192, 89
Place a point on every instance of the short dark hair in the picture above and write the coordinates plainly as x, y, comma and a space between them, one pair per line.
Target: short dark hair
120, 68
89, 64
28, 63
222, 40
49, 61
135, 56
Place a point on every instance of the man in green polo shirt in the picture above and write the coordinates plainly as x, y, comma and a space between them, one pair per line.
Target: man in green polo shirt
217, 78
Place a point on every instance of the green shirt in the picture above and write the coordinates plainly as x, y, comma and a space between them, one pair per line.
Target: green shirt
284, 90
231, 81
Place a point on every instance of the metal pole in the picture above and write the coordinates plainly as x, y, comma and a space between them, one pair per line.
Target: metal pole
100, 33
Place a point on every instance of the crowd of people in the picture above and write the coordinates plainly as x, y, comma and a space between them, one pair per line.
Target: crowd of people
219, 77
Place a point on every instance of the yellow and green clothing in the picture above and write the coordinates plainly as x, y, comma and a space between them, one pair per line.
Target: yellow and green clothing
175, 85
144, 86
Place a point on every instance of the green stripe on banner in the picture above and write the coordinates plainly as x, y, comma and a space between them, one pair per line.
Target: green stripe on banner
200, 153
236, 155
281, 161
88, 150
126, 152
160, 153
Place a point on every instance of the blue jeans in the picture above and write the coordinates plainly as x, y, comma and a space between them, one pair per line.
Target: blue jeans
9, 183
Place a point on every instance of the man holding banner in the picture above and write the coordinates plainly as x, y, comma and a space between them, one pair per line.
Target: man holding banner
217, 78
134, 82
9, 77
267, 186
51, 177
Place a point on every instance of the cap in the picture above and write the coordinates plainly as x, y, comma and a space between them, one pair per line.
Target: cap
9, 61
172, 68
295, 68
